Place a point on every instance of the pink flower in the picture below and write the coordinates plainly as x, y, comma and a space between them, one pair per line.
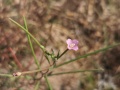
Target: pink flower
72, 44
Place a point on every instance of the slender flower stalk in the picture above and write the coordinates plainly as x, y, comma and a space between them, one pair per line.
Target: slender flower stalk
62, 53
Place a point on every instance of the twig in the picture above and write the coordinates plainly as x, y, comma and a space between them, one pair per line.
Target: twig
15, 58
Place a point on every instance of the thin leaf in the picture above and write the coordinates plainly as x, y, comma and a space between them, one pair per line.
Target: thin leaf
37, 86
58, 54
48, 83
75, 71
6, 75
41, 46
30, 43
46, 56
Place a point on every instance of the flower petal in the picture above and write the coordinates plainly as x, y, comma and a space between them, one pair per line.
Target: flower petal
69, 47
68, 41
72, 44
75, 41
75, 48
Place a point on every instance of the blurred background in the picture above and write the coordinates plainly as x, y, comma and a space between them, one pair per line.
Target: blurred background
94, 23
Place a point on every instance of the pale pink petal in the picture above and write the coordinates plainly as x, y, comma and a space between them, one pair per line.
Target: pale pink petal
75, 41
68, 41
72, 44
75, 48
69, 47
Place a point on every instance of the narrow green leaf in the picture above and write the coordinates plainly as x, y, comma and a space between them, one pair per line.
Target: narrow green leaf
75, 71
58, 54
6, 75
48, 83
37, 86
41, 46
46, 56
30, 43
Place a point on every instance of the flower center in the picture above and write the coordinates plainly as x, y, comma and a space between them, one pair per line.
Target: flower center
72, 45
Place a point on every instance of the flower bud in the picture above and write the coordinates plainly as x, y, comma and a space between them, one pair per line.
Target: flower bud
17, 74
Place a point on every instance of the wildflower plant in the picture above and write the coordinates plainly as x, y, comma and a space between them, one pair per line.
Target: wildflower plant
51, 57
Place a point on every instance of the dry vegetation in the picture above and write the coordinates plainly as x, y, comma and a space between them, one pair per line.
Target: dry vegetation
95, 23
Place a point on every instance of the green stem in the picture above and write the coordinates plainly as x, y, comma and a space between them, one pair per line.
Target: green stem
62, 53
76, 71
41, 46
31, 46
6, 75
37, 86
29, 72
48, 83
35, 71
86, 55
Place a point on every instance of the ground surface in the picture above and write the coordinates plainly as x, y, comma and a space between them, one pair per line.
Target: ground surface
95, 23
